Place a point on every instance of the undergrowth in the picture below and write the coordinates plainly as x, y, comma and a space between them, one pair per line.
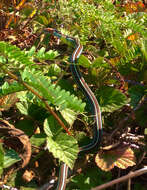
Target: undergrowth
39, 97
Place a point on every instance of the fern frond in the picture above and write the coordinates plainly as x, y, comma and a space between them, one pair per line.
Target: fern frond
52, 93
14, 54
133, 53
7, 88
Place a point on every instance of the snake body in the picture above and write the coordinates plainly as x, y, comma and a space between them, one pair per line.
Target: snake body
95, 109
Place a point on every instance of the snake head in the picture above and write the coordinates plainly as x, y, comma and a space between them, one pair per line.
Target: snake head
50, 30
53, 31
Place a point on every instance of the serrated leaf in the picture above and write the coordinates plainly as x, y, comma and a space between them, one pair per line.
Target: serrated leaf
69, 115
54, 94
110, 99
63, 147
15, 54
51, 127
10, 157
84, 61
121, 156
38, 139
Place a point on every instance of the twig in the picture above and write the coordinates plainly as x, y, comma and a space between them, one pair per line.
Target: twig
129, 184
124, 178
39, 96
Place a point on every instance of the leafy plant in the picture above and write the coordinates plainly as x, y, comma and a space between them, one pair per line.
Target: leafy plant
39, 96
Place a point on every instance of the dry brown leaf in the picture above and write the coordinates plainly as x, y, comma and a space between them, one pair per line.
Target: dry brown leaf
6, 102
17, 140
121, 156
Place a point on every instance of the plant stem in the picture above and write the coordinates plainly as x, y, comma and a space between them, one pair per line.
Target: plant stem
123, 178
39, 96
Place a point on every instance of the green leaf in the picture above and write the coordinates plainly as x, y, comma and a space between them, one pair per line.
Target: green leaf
69, 115
44, 20
14, 54
1, 159
2, 59
51, 127
63, 147
41, 52
99, 62
54, 70
22, 107
7, 88
136, 93
26, 125
10, 157
38, 139
31, 52
51, 55
110, 99
92, 177
54, 94
84, 61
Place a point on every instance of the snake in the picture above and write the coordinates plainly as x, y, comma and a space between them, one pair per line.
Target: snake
94, 105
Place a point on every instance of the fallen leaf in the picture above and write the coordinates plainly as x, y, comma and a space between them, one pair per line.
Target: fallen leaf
17, 140
121, 156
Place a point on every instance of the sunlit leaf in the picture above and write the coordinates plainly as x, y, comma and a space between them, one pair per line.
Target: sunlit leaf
44, 19
7, 88
84, 61
69, 115
51, 127
22, 107
110, 99
120, 156
63, 147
